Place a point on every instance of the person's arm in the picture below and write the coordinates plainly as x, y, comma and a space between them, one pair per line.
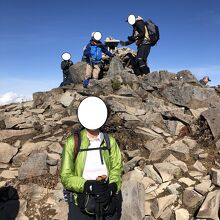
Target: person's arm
115, 175
87, 51
130, 40
68, 178
105, 51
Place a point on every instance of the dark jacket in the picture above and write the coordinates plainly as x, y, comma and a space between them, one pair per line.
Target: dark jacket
65, 65
87, 52
140, 33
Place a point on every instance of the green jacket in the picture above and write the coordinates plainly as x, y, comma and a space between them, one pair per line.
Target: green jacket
72, 171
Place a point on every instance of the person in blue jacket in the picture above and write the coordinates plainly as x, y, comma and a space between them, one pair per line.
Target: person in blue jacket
93, 56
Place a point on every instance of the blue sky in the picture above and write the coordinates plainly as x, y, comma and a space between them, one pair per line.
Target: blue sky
34, 34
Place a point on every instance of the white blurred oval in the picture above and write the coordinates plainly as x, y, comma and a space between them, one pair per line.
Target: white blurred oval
92, 113
97, 36
66, 56
131, 19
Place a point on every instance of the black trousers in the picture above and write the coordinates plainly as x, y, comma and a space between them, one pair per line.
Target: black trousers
76, 214
141, 59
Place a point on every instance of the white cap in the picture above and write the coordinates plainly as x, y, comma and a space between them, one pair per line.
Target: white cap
92, 113
97, 35
131, 19
66, 56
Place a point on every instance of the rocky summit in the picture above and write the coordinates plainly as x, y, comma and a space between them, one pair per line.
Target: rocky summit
167, 126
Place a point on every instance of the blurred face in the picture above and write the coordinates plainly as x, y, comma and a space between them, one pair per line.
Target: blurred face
205, 80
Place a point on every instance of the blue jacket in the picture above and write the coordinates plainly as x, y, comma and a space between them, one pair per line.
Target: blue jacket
93, 52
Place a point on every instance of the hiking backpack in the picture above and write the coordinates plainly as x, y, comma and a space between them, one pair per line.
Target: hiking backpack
153, 31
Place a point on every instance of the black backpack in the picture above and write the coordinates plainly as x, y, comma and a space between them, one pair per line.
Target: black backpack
153, 31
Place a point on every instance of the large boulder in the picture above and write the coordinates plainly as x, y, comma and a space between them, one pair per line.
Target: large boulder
212, 116
7, 152
190, 96
77, 72
116, 66
133, 200
35, 165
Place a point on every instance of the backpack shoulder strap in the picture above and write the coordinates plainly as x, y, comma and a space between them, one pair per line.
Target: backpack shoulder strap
107, 140
77, 142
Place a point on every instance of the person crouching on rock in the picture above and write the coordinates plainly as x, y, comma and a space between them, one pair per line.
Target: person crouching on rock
93, 55
92, 174
65, 65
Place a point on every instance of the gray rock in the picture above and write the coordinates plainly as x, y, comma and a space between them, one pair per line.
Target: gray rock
151, 173
182, 214
135, 175
9, 174
116, 66
191, 198
7, 152
133, 153
199, 166
212, 116
8, 134
131, 164
133, 201
210, 207
215, 173
218, 144
160, 204
167, 171
11, 122
173, 188
179, 149
77, 72
27, 149
56, 148
187, 181
203, 187
67, 98
186, 76
190, 96
187, 119
34, 166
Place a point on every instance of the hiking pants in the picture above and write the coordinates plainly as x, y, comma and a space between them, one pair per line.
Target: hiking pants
76, 214
92, 71
141, 59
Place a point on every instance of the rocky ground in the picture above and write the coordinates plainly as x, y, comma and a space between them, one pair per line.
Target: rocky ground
167, 126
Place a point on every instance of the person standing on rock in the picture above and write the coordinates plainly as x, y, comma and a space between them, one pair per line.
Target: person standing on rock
65, 65
92, 177
93, 56
141, 37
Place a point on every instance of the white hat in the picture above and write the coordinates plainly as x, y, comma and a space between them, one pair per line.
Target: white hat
92, 113
66, 56
97, 35
131, 19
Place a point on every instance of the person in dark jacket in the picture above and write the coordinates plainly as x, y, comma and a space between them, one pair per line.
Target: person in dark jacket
65, 65
93, 56
141, 37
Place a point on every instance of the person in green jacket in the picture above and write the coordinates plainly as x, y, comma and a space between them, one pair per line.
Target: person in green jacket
96, 172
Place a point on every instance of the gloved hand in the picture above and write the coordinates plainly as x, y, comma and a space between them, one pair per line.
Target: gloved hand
95, 187
106, 195
123, 43
131, 38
